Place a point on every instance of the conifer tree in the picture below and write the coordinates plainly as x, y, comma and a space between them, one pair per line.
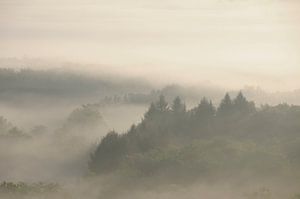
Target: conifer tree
178, 107
225, 106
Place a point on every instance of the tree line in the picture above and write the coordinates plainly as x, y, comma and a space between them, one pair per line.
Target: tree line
233, 136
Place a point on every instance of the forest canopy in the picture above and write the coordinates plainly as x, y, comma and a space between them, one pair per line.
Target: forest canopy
236, 137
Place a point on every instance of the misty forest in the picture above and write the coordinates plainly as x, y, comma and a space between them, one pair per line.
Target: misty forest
71, 135
137, 99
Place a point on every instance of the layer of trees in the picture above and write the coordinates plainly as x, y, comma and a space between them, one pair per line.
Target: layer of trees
28, 85
26, 188
84, 118
7, 129
235, 137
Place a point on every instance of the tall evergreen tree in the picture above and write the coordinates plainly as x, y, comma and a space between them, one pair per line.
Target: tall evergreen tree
178, 107
205, 109
242, 105
108, 153
162, 104
152, 110
225, 106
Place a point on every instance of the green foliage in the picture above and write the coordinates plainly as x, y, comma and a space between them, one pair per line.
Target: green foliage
233, 139
242, 106
5, 126
108, 153
8, 130
162, 104
23, 188
60, 84
178, 107
85, 116
226, 106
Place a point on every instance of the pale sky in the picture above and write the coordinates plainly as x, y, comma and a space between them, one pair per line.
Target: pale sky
231, 43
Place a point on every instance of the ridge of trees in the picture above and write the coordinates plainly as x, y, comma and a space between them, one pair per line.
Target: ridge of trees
167, 134
7, 129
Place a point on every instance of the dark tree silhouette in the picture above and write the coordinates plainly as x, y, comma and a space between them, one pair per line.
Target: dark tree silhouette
203, 141
178, 107
204, 110
152, 110
162, 104
242, 105
108, 153
225, 107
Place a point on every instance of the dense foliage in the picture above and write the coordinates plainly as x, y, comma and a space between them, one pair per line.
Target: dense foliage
25, 188
27, 85
7, 129
84, 117
206, 141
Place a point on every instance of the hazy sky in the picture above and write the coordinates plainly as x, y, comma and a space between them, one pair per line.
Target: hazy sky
226, 42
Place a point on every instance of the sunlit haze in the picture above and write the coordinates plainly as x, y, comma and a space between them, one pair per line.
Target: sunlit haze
149, 99
230, 43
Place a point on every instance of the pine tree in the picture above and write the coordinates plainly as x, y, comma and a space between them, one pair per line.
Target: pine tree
225, 106
242, 105
152, 110
205, 109
162, 104
178, 107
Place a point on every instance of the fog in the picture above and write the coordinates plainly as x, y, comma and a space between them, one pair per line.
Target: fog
224, 42
140, 100
54, 124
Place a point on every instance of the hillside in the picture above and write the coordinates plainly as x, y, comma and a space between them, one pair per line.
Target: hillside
235, 139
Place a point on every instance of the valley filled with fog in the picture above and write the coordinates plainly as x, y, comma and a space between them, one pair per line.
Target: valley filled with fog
67, 134
139, 99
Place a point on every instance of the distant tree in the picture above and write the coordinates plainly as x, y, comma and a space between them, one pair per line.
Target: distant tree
202, 117
84, 116
132, 129
4, 126
204, 141
204, 110
152, 110
108, 153
225, 107
242, 105
178, 107
15, 132
162, 104
9, 130
157, 109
